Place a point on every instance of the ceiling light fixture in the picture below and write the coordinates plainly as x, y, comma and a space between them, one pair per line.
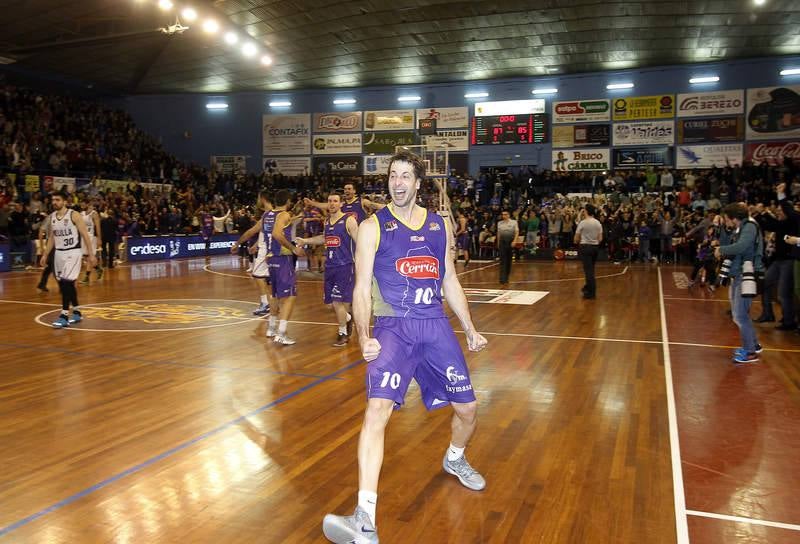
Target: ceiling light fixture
340, 101
217, 106
231, 38
549, 90
280, 104
790, 72
409, 98
266, 60
165, 5
614, 86
210, 26
759, 2
707, 79
249, 49
189, 14
476, 95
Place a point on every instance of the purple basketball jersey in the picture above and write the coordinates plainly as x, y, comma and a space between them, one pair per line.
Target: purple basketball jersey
267, 225
409, 267
338, 243
355, 209
208, 225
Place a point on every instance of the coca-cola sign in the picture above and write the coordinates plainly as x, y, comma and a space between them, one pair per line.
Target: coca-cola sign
424, 267
773, 153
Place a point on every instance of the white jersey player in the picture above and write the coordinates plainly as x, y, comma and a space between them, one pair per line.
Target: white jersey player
92, 220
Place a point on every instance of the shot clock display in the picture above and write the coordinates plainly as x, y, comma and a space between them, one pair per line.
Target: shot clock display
509, 129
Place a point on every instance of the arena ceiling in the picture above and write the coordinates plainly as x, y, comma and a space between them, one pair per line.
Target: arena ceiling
117, 44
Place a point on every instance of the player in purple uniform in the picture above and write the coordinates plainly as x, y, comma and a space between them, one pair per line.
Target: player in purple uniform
206, 227
402, 269
339, 236
352, 204
277, 228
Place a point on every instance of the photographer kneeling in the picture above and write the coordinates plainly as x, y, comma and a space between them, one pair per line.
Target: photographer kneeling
742, 247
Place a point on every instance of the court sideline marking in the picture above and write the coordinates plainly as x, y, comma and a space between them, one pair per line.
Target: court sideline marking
739, 519
182, 446
624, 271
681, 519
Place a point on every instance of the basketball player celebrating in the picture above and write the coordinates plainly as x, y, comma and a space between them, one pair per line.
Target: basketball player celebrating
67, 234
260, 271
402, 250
340, 233
353, 205
92, 221
281, 254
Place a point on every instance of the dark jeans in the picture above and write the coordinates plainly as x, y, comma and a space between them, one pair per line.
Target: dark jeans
504, 250
47, 269
588, 254
780, 274
109, 252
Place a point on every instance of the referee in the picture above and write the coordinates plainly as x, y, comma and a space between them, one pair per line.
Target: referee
588, 236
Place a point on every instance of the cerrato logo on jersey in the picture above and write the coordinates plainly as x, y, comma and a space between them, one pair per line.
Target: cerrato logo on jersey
434, 226
424, 267
174, 248
453, 376
390, 226
333, 241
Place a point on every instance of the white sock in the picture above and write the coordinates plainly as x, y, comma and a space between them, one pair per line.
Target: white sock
349, 317
368, 501
454, 453
272, 320
282, 327
342, 330
264, 300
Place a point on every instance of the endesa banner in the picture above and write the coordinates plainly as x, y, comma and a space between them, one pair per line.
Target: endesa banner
718, 129
157, 248
639, 157
773, 153
5, 258
708, 156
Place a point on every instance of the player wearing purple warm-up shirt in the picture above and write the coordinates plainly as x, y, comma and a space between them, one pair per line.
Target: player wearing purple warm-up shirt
339, 239
402, 270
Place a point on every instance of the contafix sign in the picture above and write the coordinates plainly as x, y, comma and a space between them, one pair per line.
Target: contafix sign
153, 248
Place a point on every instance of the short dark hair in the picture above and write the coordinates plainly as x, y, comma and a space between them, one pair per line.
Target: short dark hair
264, 194
282, 197
736, 211
412, 159
335, 193
591, 210
60, 193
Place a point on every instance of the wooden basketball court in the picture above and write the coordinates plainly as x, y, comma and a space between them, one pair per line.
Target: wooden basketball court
166, 416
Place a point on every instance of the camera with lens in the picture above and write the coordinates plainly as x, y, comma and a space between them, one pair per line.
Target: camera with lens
725, 272
749, 284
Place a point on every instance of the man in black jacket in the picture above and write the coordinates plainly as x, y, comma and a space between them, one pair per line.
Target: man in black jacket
792, 237
780, 272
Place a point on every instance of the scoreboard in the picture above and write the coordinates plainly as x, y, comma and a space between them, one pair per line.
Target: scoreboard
509, 129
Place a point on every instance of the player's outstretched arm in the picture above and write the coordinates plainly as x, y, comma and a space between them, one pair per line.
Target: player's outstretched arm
366, 246
249, 233
454, 294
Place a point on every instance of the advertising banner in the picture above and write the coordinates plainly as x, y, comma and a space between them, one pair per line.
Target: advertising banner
640, 157
581, 136
773, 113
385, 142
339, 166
288, 134
509, 107
339, 121
455, 140
389, 120
708, 156
581, 160
773, 153
376, 165
288, 166
579, 111
32, 183
660, 106
56, 183
644, 133
446, 117
229, 164
154, 248
711, 103
5, 257
337, 144
717, 129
